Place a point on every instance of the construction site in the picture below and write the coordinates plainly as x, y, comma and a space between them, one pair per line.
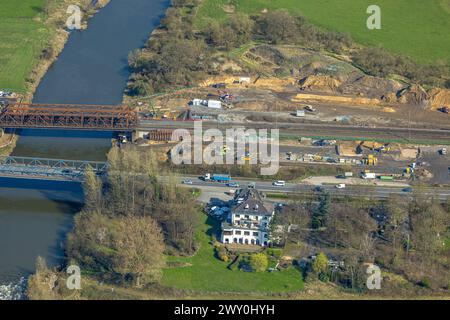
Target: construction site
328, 113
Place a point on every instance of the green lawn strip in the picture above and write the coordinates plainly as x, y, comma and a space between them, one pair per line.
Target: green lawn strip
413, 27
23, 36
205, 272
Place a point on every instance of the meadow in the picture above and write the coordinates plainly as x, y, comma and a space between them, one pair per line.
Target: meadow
23, 36
417, 28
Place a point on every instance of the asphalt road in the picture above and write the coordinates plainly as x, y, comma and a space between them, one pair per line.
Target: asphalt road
377, 192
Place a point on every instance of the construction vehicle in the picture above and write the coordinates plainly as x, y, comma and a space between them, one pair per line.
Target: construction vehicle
370, 160
383, 148
310, 108
444, 110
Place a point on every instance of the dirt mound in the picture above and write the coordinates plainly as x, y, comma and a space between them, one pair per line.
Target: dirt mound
369, 86
312, 68
439, 98
269, 53
414, 95
321, 83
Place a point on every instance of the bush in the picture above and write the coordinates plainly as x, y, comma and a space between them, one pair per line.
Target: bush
258, 262
276, 253
425, 283
221, 253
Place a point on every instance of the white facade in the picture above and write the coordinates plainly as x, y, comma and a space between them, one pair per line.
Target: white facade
248, 222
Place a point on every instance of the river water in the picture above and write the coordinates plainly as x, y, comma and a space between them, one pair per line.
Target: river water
35, 216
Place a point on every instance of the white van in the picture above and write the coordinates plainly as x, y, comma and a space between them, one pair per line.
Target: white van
279, 183
340, 186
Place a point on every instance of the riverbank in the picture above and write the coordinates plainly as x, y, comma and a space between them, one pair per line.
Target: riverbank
36, 216
7, 143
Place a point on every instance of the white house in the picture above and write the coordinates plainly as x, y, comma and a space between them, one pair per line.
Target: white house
248, 221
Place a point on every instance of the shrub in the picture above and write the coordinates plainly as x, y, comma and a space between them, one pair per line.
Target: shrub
276, 253
258, 262
221, 253
425, 282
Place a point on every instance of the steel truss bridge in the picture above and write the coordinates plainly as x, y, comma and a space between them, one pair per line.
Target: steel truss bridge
51, 169
63, 116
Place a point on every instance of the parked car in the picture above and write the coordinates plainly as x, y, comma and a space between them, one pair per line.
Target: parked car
279, 183
340, 186
186, 181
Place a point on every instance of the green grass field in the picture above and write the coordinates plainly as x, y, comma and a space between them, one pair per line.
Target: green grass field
206, 273
23, 36
417, 28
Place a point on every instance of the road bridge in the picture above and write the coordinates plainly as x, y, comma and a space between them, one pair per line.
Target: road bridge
48, 169
63, 116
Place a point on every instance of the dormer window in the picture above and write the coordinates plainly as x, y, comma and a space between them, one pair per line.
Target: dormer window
256, 207
246, 206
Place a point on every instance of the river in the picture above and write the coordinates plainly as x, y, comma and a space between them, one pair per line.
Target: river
35, 216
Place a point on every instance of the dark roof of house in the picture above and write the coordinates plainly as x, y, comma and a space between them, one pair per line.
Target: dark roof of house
252, 203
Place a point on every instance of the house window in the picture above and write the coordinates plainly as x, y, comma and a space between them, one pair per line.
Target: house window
237, 232
235, 240
226, 240
246, 233
256, 218
238, 215
265, 236
253, 241
247, 216
255, 234
246, 241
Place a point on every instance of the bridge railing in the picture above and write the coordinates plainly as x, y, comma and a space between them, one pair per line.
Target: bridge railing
49, 167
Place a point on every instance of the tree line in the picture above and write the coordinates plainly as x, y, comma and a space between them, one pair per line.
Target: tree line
409, 238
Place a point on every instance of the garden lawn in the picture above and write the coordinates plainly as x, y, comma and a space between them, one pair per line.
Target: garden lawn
417, 28
204, 272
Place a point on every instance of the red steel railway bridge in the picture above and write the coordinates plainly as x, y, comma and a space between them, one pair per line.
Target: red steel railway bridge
63, 116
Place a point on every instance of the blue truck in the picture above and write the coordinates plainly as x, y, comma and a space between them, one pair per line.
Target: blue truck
217, 177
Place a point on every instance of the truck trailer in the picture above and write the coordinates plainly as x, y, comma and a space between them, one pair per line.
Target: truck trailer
217, 177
